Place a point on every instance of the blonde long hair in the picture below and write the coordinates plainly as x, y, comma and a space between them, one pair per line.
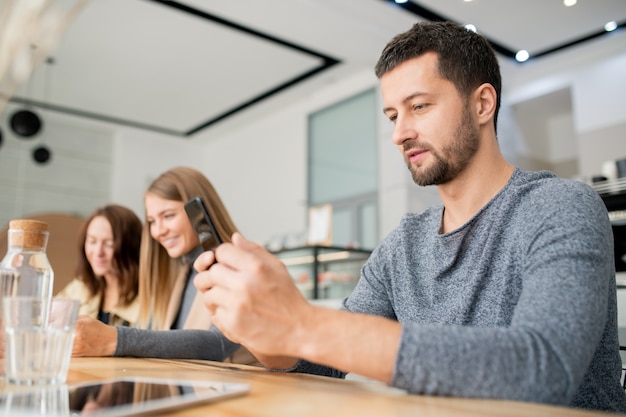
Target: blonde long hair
157, 271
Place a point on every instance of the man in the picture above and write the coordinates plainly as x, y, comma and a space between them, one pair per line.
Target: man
506, 291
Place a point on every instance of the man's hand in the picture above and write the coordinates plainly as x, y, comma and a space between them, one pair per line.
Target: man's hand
251, 297
254, 302
94, 338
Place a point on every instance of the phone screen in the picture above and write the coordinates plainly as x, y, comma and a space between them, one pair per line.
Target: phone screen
202, 223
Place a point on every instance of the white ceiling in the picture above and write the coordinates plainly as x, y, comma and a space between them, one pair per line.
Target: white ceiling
187, 66
538, 26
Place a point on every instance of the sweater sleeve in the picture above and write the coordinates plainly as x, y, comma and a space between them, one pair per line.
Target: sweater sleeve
174, 344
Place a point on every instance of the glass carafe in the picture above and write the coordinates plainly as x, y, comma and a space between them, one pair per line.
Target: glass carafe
25, 269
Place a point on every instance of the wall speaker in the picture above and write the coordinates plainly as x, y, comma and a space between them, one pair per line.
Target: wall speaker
25, 123
41, 154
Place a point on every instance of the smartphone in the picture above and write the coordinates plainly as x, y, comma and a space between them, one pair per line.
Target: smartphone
202, 223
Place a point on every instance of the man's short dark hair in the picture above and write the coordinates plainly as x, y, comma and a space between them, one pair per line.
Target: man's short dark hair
465, 58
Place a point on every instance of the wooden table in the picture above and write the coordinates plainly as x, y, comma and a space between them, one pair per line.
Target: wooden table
277, 394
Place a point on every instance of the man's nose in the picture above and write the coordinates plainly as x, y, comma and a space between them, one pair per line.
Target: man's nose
403, 130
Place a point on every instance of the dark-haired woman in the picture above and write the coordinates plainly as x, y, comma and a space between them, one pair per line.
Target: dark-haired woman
107, 272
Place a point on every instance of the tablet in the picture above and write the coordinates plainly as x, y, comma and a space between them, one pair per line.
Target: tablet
118, 397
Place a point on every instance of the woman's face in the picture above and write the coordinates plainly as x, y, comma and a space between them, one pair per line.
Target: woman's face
170, 226
99, 246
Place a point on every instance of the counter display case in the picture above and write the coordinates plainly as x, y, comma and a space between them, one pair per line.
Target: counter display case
324, 272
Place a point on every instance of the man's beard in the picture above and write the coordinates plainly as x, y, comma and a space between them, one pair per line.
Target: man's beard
453, 159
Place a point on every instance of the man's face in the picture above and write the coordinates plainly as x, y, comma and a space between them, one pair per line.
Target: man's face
433, 125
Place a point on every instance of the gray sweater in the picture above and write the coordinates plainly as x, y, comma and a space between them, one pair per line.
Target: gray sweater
519, 303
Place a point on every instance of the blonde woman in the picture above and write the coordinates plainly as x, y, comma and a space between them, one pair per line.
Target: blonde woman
173, 322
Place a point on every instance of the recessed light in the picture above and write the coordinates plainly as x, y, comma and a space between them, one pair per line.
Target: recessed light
401, 1
569, 3
611, 26
522, 56
471, 27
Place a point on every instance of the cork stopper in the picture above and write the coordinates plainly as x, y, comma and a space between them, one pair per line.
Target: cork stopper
27, 233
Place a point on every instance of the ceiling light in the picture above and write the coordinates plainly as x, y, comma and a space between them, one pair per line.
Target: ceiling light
401, 1
471, 27
569, 3
522, 56
611, 26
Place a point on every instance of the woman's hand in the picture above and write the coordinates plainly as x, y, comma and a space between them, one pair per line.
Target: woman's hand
94, 338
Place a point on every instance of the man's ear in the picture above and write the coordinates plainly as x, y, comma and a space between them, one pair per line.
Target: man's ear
485, 100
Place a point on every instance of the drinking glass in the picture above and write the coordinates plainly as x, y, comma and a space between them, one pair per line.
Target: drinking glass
38, 339
45, 401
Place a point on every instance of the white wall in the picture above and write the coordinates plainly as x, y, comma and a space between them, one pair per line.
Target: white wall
599, 92
140, 156
595, 77
75, 180
260, 172
564, 140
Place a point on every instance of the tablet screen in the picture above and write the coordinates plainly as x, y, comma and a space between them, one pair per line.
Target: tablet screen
117, 397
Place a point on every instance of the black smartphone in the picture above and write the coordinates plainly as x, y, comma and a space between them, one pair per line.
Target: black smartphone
202, 223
